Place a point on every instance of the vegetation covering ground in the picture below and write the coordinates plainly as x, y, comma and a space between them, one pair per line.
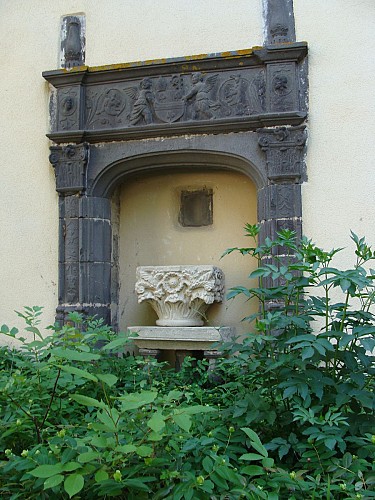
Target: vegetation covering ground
287, 414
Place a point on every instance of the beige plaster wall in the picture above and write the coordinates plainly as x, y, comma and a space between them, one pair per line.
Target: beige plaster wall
340, 192
150, 234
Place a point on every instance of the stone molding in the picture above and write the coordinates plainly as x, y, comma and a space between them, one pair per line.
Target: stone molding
180, 295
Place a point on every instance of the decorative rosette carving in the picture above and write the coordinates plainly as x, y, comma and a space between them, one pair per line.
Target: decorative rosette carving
180, 295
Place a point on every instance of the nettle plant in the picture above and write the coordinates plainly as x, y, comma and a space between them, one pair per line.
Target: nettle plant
288, 413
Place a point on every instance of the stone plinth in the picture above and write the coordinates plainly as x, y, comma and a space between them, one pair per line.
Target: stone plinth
180, 338
180, 295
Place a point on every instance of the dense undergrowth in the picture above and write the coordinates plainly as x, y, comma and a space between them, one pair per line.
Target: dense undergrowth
288, 413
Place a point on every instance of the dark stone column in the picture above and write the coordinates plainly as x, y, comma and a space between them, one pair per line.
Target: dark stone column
95, 256
279, 202
279, 21
84, 238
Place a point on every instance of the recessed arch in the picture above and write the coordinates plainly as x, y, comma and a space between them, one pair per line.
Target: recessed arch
115, 173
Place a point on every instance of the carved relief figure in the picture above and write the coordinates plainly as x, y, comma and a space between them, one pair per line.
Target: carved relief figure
258, 93
67, 110
111, 103
200, 94
143, 105
105, 107
233, 95
282, 89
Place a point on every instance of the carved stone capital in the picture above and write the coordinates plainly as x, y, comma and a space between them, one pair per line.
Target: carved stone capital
284, 148
70, 164
180, 295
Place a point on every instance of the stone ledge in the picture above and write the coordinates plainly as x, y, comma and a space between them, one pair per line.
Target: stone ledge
174, 338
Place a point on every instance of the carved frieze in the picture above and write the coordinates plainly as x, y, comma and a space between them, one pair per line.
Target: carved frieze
175, 99
70, 167
180, 295
284, 148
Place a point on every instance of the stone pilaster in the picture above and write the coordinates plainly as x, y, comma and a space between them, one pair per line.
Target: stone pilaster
84, 238
279, 202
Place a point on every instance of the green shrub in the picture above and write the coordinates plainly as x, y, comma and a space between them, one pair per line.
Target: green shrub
288, 415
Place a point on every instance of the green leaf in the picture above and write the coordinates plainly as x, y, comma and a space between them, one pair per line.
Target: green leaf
330, 443
101, 475
88, 456
53, 481
136, 400
137, 484
107, 421
87, 401
99, 442
73, 484
208, 464
228, 474
347, 460
219, 481
253, 470
307, 352
193, 410
156, 422
71, 355
126, 448
70, 466
183, 421
251, 434
251, 456
120, 341
255, 441
174, 395
144, 451
155, 436
46, 470
269, 462
258, 272
107, 378
77, 371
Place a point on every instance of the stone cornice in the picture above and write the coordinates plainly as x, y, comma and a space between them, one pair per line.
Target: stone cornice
202, 62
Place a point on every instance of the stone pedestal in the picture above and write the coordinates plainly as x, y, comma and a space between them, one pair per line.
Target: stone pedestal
183, 340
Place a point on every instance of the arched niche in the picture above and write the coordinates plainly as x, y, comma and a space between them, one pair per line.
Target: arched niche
251, 125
